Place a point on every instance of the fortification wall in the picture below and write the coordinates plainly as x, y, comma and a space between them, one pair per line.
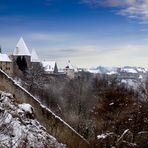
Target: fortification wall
53, 124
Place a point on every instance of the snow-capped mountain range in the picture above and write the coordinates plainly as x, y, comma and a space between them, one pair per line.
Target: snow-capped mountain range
117, 70
132, 77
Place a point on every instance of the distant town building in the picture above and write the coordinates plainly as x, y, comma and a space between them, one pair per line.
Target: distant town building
69, 70
6, 64
50, 67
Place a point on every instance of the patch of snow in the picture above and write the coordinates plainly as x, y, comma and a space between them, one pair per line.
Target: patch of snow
95, 71
18, 81
100, 69
8, 118
140, 77
103, 136
111, 73
141, 69
26, 107
111, 104
131, 83
123, 81
103, 70
4, 58
128, 70
21, 131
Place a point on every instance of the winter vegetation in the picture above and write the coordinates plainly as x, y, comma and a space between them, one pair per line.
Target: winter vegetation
108, 110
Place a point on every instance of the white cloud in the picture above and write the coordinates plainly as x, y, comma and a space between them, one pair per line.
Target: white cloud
137, 9
133, 55
112, 3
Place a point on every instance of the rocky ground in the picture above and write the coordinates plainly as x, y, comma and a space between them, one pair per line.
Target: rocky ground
18, 128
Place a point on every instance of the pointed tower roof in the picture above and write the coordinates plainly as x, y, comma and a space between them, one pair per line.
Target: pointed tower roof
21, 48
34, 56
4, 58
69, 65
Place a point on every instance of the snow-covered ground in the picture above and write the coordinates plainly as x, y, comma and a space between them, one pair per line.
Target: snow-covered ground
129, 70
18, 128
131, 83
103, 136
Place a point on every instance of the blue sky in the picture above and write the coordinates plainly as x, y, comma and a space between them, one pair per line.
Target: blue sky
87, 32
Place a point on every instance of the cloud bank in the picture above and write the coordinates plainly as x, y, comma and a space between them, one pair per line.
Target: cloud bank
137, 9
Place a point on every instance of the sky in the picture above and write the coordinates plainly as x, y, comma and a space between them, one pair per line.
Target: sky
89, 33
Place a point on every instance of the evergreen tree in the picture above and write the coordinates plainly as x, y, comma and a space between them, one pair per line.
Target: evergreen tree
0, 49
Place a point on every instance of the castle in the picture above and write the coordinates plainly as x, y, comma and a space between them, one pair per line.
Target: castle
22, 60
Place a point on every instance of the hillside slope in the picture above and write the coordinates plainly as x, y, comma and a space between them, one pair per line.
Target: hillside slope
18, 128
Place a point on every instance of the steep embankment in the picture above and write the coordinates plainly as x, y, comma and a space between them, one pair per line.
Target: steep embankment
53, 124
18, 128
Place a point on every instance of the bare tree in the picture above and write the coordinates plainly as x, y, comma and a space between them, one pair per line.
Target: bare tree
35, 79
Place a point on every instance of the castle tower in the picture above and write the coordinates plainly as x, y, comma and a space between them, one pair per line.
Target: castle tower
34, 56
35, 61
6, 64
21, 49
21, 57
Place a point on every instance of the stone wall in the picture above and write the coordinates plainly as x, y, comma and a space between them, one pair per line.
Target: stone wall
18, 67
53, 124
7, 67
